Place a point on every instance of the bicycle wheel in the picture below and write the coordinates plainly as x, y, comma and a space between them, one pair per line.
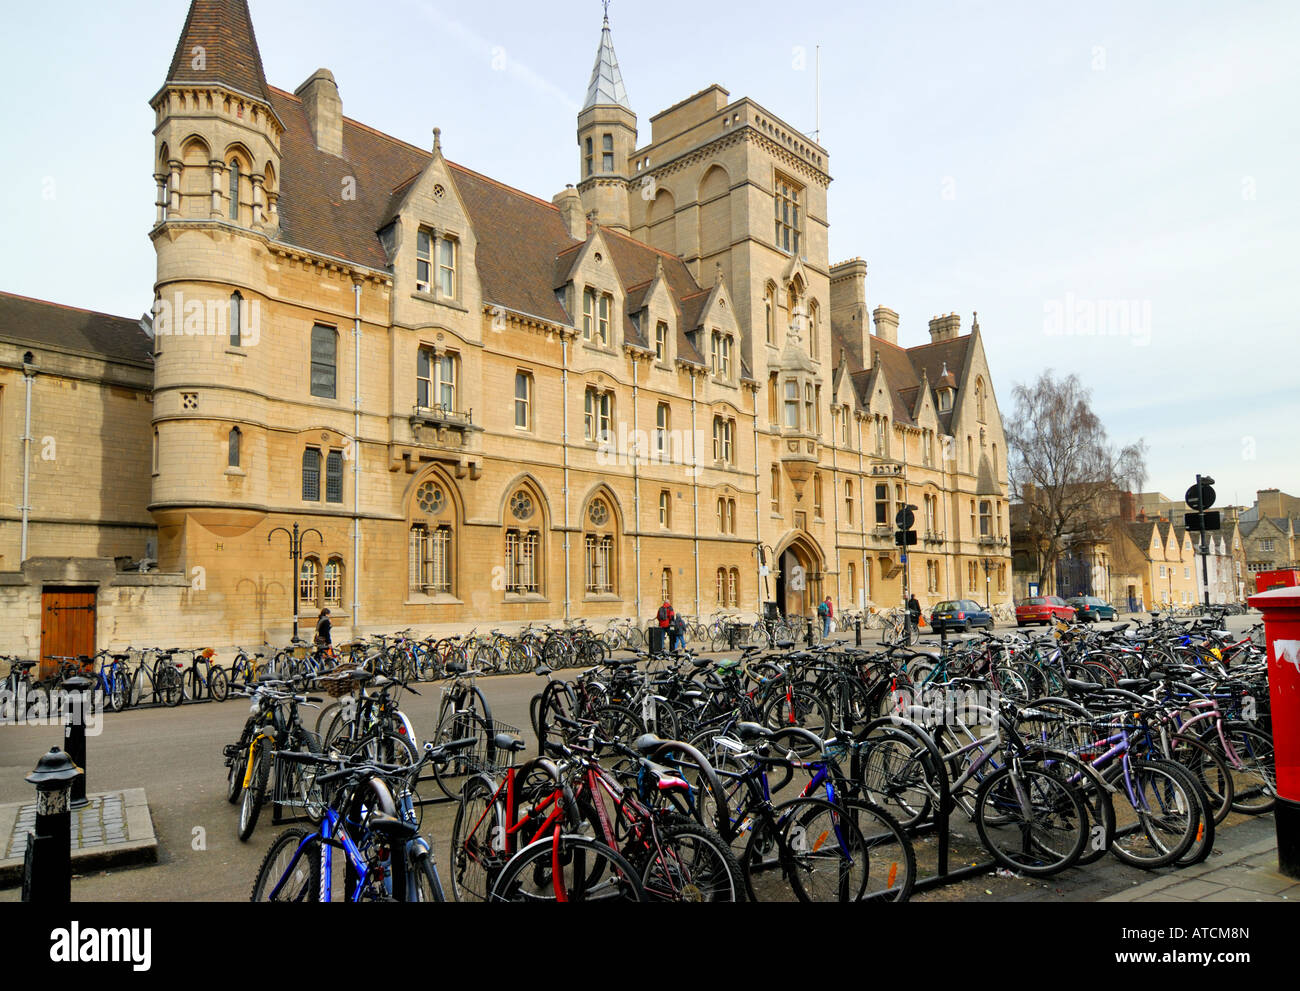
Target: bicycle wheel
1252, 763
797, 705
255, 793
218, 684
423, 883
478, 841
119, 695
168, 686
691, 863
193, 687
1158, 823
891, 858
827, 855
568, 868
235, 773
898, 774
1210, 770
297, 875
1030, 820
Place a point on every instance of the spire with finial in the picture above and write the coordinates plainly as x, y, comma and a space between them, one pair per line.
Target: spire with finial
437, 140
606, 87
975, 322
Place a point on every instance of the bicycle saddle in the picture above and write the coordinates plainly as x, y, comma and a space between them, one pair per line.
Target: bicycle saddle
505, 741
390, 827
542, 670
752, 731
456, 667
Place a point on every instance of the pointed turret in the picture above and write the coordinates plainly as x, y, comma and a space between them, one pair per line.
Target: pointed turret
606, 139
606, 87
218, 47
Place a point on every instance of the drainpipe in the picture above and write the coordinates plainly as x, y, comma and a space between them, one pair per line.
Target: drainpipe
867, 584
835, 508
758, 515
564, 444
356, 461
636, 483
29, 379
695, 495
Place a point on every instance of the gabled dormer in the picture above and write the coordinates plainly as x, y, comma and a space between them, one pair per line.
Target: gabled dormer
718, 335
656, 315
594, 293
431, 248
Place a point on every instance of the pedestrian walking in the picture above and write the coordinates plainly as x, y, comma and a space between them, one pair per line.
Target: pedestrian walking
666, 617
824, 614
323, 640
914, 613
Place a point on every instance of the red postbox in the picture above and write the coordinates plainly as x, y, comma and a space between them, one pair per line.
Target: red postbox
1281, 608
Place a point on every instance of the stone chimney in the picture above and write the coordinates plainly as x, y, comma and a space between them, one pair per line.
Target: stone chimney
945, 328
324, 109
886, 324
571, 212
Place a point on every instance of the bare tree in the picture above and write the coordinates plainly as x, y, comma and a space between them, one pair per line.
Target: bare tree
1063, 469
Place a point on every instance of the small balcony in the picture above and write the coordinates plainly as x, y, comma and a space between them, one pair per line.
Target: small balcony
933, 537
441, 416
990, 541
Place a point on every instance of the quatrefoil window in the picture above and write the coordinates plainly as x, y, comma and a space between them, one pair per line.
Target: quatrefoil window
521, 505
598, 513
431, 499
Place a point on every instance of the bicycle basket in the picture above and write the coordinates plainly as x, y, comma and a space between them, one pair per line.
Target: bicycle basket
476, 760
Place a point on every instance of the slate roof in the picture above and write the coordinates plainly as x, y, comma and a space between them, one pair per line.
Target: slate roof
223, 31
36, 322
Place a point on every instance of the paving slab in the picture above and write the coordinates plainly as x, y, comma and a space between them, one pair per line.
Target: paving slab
112, 829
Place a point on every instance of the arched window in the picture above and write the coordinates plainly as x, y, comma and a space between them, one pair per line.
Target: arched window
233, 450
663, 421
334, 583
524, 557
234, 189
155, 450
970, 453
979, 399
848, 501
722, 587
666, 585
665, 509
431, 548
599, 543
776, 488
853, 584
236, 320
769, 315
733, 587
817, 495
309, 583
814, 319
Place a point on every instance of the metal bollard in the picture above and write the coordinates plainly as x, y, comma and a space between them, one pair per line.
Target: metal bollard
47, 873
808, 633
858, 631
74, 736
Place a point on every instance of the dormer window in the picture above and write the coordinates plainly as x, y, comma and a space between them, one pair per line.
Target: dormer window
588, 313
447, 267
722, 355
424, 262
602, 326
945, 400
661, 341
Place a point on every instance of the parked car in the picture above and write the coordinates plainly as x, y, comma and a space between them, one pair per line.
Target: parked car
1043, 609
1090, 609
960, 615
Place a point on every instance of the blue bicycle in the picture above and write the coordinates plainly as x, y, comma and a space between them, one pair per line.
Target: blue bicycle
362, 819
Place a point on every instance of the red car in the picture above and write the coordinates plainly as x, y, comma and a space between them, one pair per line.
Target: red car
1043, 609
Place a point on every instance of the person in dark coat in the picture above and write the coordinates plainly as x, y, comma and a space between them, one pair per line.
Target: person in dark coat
323, 639
914, 612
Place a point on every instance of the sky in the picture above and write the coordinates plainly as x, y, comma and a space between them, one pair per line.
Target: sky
1110, 185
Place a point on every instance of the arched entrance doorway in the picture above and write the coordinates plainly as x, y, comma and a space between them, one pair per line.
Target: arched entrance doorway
800, 578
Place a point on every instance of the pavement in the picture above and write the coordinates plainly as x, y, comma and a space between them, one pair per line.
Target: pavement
112, 829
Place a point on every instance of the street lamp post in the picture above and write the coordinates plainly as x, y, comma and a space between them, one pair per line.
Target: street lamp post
987, 564
295, 554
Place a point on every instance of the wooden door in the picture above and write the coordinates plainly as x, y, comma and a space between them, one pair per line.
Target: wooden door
67, 625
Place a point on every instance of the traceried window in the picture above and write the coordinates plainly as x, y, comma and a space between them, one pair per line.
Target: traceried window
309, 582
522, 571
324, 362
431, 546
333, 584
599, 544
788, 224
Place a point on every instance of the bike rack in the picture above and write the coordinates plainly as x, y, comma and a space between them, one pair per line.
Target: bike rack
939, 823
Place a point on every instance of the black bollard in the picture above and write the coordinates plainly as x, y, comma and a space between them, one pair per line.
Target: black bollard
808, 633
48, 869
858, 630
74, 735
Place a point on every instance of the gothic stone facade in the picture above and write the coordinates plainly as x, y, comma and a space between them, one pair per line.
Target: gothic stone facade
487, 407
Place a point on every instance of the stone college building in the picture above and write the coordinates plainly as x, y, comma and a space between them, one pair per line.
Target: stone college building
479, 406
